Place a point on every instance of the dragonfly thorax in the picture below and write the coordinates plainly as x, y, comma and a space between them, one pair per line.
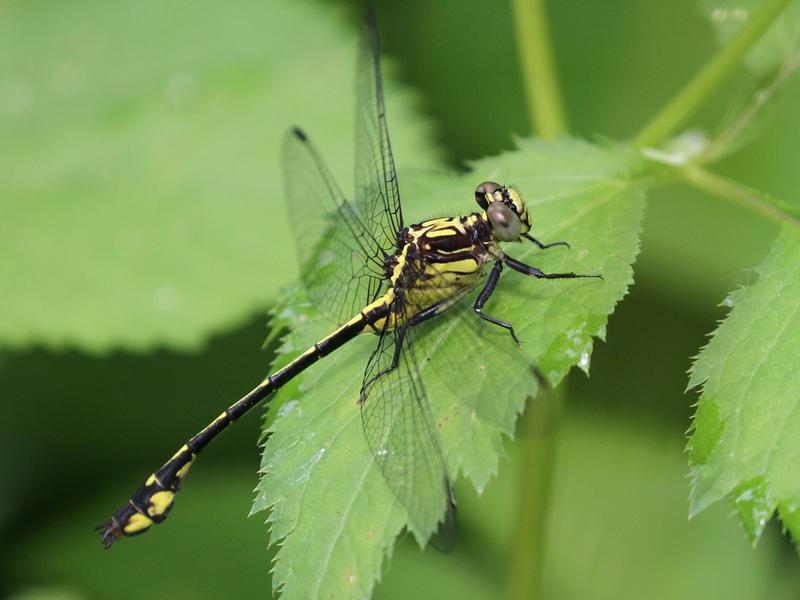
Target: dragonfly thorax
437, 262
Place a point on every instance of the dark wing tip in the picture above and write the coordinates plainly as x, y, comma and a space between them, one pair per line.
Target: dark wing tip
444, 538
541, 379
300, 134
371, 26
369, 17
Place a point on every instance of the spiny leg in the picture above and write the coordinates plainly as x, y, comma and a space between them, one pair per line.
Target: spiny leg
539, 274
485, 294
542, 245
431, 311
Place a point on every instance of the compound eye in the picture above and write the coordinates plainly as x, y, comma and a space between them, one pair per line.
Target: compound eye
505, 222
484, 189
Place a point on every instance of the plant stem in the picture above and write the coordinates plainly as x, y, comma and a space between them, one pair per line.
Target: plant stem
708, 79
537, 441
543, 98
741, 195
539, 425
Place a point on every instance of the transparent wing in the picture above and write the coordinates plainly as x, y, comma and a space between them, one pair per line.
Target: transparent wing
401, 434
377, 193
341, 261
341, 245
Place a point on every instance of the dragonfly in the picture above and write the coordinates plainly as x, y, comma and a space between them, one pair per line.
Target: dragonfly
370, 273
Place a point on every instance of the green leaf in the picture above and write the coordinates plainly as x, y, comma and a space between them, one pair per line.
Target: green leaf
142, 200
780, 44
332, 513
745, 441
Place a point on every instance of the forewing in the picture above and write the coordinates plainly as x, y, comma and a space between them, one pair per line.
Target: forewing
377, 194
341, 262
401, 434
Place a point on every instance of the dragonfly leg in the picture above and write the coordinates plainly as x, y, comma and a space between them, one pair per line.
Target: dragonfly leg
534, 272
398, 347
544, 246
430, 312
485, 294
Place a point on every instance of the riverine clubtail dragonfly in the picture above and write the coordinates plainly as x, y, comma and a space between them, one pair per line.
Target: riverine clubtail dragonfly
368, 271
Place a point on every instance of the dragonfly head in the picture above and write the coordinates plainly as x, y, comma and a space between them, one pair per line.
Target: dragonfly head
505, 210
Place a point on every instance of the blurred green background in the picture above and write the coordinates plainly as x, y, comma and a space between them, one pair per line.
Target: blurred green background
136, 134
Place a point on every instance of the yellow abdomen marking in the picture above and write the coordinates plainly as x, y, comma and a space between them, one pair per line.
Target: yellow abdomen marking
183, 448
159, 503
137, 523
184, 469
